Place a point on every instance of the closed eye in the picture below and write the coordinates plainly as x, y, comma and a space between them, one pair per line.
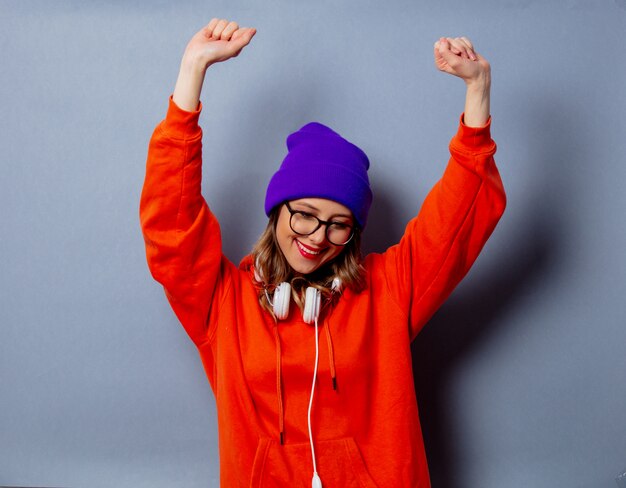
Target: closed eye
340, 225
305, 215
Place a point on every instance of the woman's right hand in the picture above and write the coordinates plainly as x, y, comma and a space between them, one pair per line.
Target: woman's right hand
218, 41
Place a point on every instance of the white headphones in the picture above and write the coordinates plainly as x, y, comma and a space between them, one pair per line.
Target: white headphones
282, 299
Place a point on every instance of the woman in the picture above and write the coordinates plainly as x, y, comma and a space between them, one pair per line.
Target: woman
332, 402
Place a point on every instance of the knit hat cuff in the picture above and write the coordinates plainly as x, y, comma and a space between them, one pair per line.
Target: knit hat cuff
292, 183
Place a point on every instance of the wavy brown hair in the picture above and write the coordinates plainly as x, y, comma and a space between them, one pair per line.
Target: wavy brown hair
271, 264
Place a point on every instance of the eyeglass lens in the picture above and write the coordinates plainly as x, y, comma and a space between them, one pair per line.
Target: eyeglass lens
305, 224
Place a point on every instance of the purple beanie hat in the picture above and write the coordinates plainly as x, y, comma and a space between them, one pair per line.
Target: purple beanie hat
322, 164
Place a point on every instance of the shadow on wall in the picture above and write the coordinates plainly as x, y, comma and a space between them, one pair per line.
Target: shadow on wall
384, 230
456, 330
525, 268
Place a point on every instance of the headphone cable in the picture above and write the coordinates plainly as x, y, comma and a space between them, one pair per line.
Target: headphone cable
315, 482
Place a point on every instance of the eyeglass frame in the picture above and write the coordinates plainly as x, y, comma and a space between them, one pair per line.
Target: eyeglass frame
320, 222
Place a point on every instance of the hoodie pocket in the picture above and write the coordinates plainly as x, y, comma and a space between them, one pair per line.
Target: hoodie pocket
339, 465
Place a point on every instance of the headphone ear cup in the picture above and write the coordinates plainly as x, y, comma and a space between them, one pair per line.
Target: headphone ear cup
282, 297
312, 301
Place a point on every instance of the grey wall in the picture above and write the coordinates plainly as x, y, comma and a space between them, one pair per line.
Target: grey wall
520, 376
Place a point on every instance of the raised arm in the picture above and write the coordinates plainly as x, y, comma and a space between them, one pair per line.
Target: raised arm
218, 41
182, 237
459, 214
458, 57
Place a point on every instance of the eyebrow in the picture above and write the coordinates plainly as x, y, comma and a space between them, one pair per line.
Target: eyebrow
314, 208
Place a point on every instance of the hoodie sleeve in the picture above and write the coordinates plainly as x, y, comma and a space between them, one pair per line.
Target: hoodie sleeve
457, 217
182, 236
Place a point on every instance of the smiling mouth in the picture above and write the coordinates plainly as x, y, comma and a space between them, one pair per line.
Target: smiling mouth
306, 251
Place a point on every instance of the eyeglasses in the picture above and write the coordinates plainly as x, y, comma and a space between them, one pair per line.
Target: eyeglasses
305, 224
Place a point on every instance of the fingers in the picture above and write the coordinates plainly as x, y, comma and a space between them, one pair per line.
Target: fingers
226, 32
456, 56
220, 29
217, 41
241, 38
468, 42
445, 57
208, 30
460, 46
243, 35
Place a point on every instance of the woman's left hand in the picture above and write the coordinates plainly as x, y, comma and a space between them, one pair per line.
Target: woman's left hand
457, 57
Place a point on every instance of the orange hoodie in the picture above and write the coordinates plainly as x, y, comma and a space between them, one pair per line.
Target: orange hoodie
366, 432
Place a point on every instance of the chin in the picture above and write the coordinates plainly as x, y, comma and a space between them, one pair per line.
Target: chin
303, 269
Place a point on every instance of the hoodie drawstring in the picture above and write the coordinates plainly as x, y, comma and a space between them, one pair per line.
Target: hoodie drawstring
279, 387
315, 482
279, 383
331, 355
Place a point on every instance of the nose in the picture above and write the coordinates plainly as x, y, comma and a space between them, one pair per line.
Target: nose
319, 236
